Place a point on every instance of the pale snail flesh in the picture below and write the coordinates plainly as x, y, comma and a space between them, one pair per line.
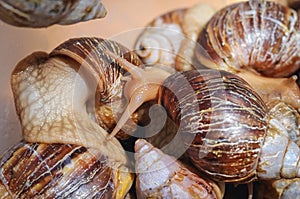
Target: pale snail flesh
31, 170
222, 120
264, 39
162, 176
44, 13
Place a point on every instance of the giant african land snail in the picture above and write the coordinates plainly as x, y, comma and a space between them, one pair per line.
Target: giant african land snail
66, 153
226, 126
44, 13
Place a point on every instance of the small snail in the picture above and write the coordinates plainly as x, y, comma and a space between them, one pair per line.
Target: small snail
44, 13
54, 96
169, 39
224, 123
162, 176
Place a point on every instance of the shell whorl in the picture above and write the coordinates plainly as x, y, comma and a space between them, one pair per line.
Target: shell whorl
159, 43
228, 123
264, 38
44, 13
59, 171
162, 176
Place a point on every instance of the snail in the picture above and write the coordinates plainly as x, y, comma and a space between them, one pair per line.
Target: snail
168, 40
223, 122
54, 97
44, 13
162, 176
262, 47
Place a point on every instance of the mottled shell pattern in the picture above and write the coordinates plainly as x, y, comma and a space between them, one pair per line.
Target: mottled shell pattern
44, 13
261, 36
162, 176
60, 171
225, 129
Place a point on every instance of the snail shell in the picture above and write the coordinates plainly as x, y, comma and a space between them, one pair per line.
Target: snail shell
46, 12
264, 39
228, 123
60, 171
159, 43
161, 176
288, 117
170, 38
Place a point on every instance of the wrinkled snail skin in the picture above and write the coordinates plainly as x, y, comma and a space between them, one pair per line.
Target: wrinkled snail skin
265, 39
162, 176
59, 171
54, 96
45, 13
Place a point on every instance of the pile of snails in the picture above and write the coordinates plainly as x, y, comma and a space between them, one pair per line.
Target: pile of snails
226, 79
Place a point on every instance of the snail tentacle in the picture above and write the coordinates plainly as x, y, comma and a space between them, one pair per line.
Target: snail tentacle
141, 87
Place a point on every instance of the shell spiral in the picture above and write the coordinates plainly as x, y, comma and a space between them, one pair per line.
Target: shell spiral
227, 124
261, 36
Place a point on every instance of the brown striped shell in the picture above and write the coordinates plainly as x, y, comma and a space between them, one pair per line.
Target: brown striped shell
44, 13
261, 36
31, 170
222, 120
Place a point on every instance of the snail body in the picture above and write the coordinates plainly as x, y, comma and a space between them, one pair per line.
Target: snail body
162, 176
46, 12
54, 96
